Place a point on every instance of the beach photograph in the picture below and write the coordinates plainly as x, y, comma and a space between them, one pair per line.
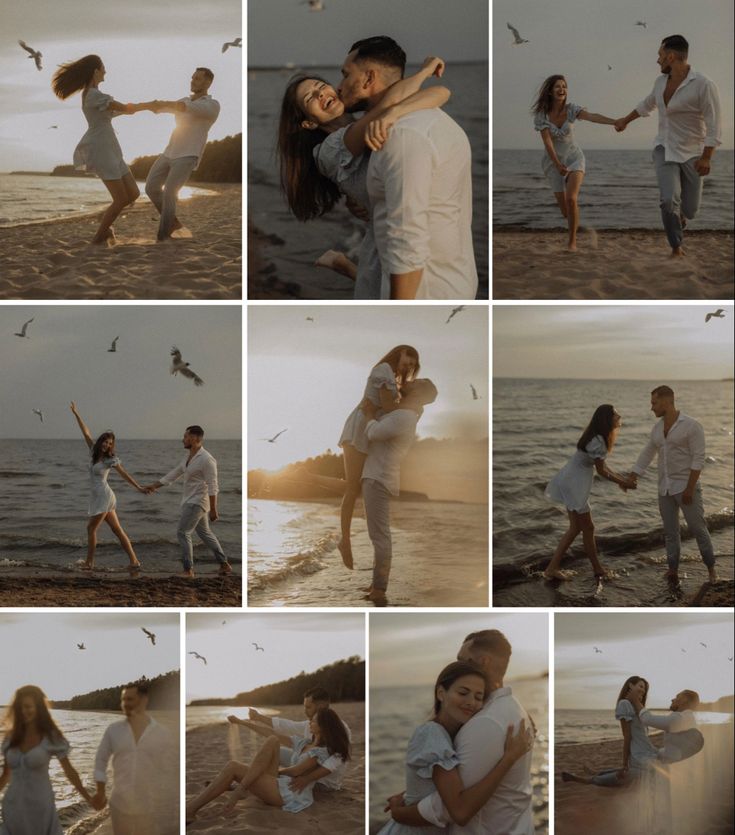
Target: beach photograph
613, 455
121, 142
459, 705
90, 706
643, 723
275, 732
385, 106
121, 475
613, 160
367, 455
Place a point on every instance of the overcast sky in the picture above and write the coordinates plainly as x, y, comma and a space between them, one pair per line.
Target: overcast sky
66, 358
150, 51
286, 31
413, 650
579, 39
291, 642
41, 649
308, 376
610, 342
643, 644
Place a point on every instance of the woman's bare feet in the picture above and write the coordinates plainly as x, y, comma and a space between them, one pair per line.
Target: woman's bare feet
345, 549
338, 262
557, 574
87, 565
134, 569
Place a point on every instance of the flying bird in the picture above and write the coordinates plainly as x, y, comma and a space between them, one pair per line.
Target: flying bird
718, 314
315, 5
455, 311
23, 334
34, 53
199, 657
309, 318
257, 648
273, 439
641, 23
178, 365
597, 650
150, 635
475, 395
517, 39
53, 127
113, 348
702, 644
81, 646
683, 650
609, 67
39, 413
237, 42
224, 622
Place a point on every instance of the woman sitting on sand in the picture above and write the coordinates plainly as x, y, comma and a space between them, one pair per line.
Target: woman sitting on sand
432, 763
573, 484
563, 163
102, 500
32, 739
324, 153
272, 784
99, 151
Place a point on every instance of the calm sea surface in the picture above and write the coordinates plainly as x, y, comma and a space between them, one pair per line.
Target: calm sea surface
619, 192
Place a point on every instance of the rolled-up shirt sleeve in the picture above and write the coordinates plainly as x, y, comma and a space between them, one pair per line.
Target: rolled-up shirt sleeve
647, 105
203, 108
712, 116
104, 752
210, 477
672, 723
177, 472
696, 446
646, 456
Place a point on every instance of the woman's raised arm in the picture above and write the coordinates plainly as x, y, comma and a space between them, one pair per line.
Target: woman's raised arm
82, 425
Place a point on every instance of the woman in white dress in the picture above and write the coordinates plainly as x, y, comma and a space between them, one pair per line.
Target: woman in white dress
572, 485
431, 760
102, 500
32, 739
99, 151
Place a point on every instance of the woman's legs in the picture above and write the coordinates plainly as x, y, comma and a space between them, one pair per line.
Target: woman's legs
116, 528
232, 771
552, 570
92, 524
562, 202
584, 520
124, 192
263, 770
574, 184
354, 460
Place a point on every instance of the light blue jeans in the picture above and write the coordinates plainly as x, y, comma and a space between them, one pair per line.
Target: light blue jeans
376, 499
194, 518
163, 184
694, 516
680, 190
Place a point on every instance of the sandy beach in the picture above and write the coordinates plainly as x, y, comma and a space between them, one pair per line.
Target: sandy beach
336, 813
610, 264
55, 260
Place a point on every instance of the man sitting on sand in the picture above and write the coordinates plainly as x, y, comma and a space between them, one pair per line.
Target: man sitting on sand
195, 115
689, 130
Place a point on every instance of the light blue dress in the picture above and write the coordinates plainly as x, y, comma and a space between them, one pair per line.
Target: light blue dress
99, 151
349, 174
572, 485
353, 433
430, 746
298, 801
29, 807
565, 145
101, 497
642, 752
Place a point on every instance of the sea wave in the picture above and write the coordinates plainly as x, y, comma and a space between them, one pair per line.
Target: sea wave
302, 563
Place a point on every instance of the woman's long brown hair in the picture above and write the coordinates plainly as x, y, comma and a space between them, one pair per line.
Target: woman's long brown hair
628, 682
75, 75
332, 733
14, 725
545, 96
393, 357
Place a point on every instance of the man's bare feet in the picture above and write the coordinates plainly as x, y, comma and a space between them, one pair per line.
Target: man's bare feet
672, 576
713, 578
378, 598
678, 252
188, 574
345, 549
225, 568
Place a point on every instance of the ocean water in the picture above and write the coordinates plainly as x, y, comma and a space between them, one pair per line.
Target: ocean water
339, 230
619, 192
44, 496
396, 711
200, 715
536, 425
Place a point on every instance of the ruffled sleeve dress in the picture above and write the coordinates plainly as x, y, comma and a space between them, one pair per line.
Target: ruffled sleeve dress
101, 497
99, 152
298, 801
565, 145
571, 486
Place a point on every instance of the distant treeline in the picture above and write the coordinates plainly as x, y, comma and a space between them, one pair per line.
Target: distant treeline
343, 680
221, 162
163, 694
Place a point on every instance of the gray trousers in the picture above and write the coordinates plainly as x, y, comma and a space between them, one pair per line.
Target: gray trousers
194, 518
376, 499
669, 507
680, 190
163, 184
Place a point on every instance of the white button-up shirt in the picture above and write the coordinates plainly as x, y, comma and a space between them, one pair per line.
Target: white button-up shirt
679, 452
136, 766
420, 187
336, 765
480, 744
200, 478
690, 121
192, 126
390, 439
672, 723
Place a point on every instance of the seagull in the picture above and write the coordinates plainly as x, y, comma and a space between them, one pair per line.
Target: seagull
718, 314
237, 42
315, 5
177, 364
701, 643
23, 334
516, 35
641, 23
196, 655
609, 67
309, 318
150, 635
683, 650
257, 648
34, 53
475, 395
730, 658
224, 622
273, 439
81, 646
113, 348
597, 650
455, 311
39, 413
53, 127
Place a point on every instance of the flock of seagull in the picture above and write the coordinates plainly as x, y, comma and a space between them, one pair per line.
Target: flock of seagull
199, 657
517, 39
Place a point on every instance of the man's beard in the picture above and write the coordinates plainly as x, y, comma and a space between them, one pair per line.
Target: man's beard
358, 107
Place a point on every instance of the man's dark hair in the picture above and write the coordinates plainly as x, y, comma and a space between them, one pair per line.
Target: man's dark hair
195, 430
207, 72
663, 391
692, 698
142, 687
676, 43
317, 694
490, 640
382, 50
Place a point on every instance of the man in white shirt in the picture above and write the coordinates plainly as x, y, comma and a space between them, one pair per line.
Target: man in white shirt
689, 130
420, 185
389, 440
480, 744
195, 115
198, 500
678, 441
681, 737
141, 751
